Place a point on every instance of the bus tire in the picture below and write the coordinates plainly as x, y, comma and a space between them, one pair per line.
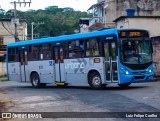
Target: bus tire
95, 81
35, 81
124, 85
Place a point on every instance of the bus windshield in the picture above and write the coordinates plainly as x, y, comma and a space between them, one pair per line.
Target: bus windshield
136, 52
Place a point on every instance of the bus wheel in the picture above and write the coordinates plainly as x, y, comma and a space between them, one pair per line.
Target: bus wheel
124, 85
36, 81
95, 81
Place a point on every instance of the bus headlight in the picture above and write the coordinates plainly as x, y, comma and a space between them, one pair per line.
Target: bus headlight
150, 71
125, 71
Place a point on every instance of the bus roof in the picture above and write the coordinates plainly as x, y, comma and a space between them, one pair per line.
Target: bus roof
66, 37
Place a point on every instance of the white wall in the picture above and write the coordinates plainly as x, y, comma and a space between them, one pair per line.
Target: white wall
150, 24
2, 68
9, 37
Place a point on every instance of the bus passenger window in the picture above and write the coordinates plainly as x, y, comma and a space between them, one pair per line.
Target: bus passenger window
56, 54
76, 49
13, 55
61, 55
45, 51
113, 51
106, 51
66, 50
92, 48
34, 52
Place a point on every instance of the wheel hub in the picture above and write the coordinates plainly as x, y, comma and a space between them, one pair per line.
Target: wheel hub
35, 81
96, 81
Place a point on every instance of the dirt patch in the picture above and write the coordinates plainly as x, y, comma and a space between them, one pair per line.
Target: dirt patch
2, 106
5, 106
5, 103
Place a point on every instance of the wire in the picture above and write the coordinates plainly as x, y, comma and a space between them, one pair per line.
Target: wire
6, 28
10, 28
4, 25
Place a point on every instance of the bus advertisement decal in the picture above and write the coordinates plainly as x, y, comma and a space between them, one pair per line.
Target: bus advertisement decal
78, 64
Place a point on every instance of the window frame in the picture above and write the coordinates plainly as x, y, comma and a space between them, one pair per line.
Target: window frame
75, 48
13, 51
47, 55
31, 55
99, 46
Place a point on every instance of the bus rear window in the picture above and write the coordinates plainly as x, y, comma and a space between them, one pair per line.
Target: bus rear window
13, 55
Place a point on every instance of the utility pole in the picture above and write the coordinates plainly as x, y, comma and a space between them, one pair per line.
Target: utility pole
32, 28
15, 19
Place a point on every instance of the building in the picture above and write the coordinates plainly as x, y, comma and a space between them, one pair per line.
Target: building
149, 23
7, 35
84, 24
106, 11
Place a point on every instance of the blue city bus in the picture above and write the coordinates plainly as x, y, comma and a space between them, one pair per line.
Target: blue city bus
95, 59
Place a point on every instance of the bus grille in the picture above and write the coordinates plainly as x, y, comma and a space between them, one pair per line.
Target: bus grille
139, 77
142, 72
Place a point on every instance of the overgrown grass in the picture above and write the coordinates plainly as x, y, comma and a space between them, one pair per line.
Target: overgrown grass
3, 78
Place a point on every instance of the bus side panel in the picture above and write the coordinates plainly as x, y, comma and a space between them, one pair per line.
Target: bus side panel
45, 70
76, 70
14, 71
96, 66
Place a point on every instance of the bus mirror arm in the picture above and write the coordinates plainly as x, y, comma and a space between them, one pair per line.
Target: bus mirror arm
119, 44
151, 48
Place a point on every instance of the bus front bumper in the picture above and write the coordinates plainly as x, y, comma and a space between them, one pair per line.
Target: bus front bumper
135, 78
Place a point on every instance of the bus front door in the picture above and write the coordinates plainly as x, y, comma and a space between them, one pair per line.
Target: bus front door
24, 65
111, 61
59, 65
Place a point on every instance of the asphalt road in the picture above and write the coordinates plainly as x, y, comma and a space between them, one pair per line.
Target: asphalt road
139, 97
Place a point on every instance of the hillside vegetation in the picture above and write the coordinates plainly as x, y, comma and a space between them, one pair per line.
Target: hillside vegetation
57, 21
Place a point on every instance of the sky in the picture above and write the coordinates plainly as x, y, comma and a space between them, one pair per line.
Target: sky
81, 5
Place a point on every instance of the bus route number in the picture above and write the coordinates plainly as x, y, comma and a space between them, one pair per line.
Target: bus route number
135, 34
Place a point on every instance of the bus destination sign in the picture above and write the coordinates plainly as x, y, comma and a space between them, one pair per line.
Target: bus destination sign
130, 34
135, 34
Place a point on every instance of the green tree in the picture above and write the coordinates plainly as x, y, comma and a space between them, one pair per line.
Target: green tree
57, 21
